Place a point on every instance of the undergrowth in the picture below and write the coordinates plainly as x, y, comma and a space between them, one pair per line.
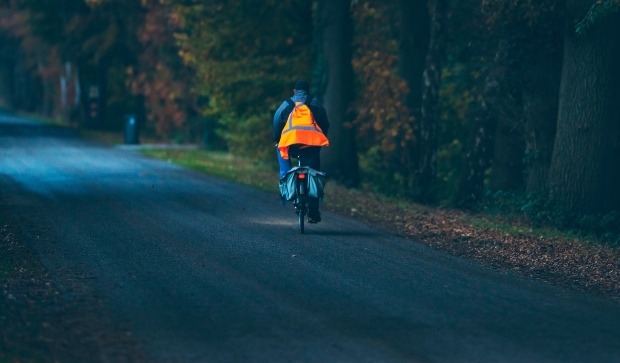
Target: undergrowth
536, 210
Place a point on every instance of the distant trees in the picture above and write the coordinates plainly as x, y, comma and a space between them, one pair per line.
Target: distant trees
383, 121
519, 103
159, 76
247, 56
75, 45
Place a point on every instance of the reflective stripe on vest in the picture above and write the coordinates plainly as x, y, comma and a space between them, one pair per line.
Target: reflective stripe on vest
290, 127
308, 128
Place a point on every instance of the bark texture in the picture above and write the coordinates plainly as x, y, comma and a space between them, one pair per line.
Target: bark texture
585, 169
335, 31
413, 48
427, 138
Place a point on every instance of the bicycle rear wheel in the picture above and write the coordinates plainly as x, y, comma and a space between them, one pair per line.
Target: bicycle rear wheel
301, 217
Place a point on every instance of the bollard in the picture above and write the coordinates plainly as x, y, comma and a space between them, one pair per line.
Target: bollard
131, 130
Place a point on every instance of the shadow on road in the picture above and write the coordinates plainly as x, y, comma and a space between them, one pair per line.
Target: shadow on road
342, 233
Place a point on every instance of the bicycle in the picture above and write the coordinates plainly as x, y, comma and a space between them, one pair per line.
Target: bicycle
300, 184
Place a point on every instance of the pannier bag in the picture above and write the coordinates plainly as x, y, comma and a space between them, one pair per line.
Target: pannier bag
316, 183
287, 186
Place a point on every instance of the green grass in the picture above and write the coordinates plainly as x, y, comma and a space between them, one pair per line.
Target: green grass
517, 228
224, 165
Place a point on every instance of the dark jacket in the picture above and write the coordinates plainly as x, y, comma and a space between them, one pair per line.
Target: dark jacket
285, 109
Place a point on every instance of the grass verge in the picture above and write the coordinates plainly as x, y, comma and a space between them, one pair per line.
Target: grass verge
544, 253
223, 165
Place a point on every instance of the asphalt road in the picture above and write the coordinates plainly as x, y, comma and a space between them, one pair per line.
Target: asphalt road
202, 270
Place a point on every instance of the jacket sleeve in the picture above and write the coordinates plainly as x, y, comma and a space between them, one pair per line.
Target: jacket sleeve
320, 115
279, 120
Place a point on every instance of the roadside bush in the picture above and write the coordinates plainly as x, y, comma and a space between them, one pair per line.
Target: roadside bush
538, 210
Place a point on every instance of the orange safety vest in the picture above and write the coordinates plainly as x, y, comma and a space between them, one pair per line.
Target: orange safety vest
301, 129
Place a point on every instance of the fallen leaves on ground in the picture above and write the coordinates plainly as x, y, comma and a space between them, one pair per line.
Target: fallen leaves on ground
567, 262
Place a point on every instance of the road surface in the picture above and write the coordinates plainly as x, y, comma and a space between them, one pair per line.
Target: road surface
202, 270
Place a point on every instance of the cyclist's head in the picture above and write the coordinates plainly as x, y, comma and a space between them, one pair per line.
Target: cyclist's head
302, 85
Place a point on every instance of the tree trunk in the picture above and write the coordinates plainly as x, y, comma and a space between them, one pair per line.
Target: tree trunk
480, 145
413, 48
540, 110
477, 160
505, 106
335, 31
540, 86
432, 81
585, 168
507, 171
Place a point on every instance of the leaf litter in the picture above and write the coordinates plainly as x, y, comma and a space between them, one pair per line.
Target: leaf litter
568, 262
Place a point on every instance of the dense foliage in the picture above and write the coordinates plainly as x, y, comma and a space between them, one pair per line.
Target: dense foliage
496, 132
246, 55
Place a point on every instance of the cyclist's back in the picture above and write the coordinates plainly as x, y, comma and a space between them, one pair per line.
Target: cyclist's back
300, 125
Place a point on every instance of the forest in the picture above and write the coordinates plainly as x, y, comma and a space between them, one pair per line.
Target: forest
506, 105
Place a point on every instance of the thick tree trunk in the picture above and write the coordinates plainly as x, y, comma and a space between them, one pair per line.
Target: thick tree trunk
335, 31
427, 138
585, 168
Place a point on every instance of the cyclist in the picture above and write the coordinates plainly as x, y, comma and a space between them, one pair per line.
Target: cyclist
297, 130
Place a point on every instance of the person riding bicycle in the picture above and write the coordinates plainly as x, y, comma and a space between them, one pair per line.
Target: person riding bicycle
300, 125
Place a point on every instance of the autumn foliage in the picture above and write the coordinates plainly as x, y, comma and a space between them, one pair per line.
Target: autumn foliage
384, 122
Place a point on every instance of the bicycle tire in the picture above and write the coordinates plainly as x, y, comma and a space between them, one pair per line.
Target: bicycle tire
301, 217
